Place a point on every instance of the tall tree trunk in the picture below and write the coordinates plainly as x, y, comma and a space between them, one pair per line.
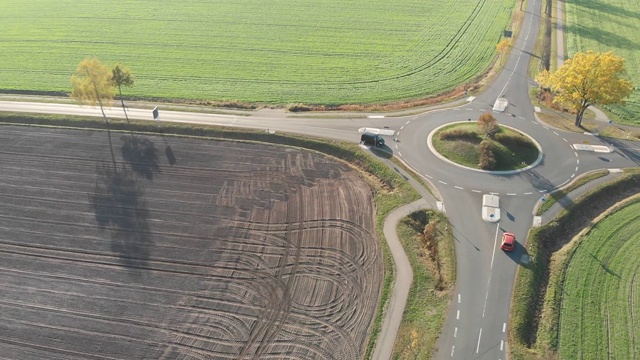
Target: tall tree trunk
123, 107
579, 116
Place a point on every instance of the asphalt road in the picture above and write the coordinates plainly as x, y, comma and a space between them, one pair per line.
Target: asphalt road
478, 316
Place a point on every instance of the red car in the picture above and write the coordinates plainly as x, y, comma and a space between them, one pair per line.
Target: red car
508, 242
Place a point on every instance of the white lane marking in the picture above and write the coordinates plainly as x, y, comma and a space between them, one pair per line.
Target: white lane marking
479, 336
575, 153
542, 191
453, 348
520, 117
565, 140
469, 109
533, 122
458, 315
512, 194
578, 161
397, 134
572, 175
458, 298
493, 255
545, 127
396, 146
399, 153
456, 109
528, 193
401, 127
556, 133
476, 191
501, 345
407, 123
483, 110
442, 182
455, 332
576, 169
504, 327
376, 116
429, 176
458, 187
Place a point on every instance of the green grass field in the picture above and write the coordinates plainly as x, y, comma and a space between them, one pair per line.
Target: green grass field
600, 312
608, 25
279, 52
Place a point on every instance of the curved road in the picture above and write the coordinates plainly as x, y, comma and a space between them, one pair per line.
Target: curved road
476, 325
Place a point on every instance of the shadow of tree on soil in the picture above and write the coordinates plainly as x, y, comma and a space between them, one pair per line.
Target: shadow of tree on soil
141, 155
119, 207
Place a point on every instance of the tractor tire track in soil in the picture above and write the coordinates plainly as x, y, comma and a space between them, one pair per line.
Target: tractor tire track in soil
225, 250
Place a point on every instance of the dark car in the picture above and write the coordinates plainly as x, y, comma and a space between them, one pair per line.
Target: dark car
508, 242
368, 138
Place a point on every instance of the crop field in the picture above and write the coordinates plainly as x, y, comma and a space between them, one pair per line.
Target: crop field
600, 313
608, 25
283, 51
168, 248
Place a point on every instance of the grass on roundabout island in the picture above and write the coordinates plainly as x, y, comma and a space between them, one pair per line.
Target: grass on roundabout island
464, 150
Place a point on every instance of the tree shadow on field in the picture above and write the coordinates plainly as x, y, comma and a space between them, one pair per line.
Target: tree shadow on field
606, 8
602, 36
119, 207
141, 155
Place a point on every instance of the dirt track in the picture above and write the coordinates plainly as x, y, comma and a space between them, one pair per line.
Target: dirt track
182, 249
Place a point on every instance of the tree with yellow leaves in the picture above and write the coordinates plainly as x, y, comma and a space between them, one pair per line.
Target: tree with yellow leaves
588, 79
92, 84
503, 47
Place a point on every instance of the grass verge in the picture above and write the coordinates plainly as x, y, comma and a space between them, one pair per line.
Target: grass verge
553, 197
533, 330
390, 189
433, 264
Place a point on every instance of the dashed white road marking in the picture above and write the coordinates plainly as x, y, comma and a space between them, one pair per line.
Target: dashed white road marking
458, 187
479, 336
501, 345
576, 169
458, 298
575, 153
504, 327
469, 109
556, 133
565, 140
407, 123
396, 146
442, 182
578, 161
511, 194
546, 128
401, 127
533, 122
458, 315
398, 134
453, 349
572, 175
528, 193
520, 117
455, 332
429, 176
476, 191
399, 153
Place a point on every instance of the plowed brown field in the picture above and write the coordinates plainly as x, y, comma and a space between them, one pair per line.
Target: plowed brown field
168, 248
